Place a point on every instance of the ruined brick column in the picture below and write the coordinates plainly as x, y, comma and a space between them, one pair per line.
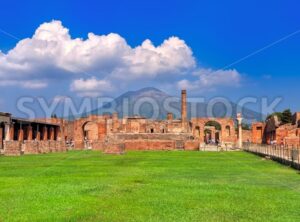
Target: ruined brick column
38, 133
7, 131
240, 139
183, 107
45, 133
38, 136
21, 135
1, 138
29, 133
51, 136
58, 134
12, 132
115, 122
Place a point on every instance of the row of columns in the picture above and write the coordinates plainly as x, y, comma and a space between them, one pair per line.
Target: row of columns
9, 133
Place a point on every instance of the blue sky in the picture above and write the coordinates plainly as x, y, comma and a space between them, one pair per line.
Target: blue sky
217, 33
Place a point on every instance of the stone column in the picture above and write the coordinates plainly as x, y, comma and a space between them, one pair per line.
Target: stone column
45, 133
38, 133
7, 131
58, 133
20, 135
1, 137
29, 132
12, 132
183, 106
240, 135
51, 136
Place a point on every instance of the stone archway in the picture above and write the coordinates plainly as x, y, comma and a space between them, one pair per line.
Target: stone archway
212, 132
90, 131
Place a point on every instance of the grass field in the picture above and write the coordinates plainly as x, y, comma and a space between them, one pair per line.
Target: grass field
147, 186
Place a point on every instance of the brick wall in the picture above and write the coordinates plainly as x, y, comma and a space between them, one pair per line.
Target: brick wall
247, 135
149, 145
16, 148
12, 148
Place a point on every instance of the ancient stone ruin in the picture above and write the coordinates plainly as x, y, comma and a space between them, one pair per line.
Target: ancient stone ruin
112, 134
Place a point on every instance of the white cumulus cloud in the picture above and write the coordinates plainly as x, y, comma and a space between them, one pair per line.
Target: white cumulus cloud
94, 64
91, 87
51, 50
208, 79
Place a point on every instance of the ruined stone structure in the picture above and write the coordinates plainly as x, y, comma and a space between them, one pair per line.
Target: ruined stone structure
112, 134
274, 132
108, 132
20, 136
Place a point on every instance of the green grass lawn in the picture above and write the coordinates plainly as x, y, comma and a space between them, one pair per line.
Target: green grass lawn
147, 186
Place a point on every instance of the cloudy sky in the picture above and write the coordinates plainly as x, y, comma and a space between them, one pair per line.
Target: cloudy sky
105, 48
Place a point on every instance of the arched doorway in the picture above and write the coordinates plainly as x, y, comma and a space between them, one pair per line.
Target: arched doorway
90, 131
90, 134
212, 132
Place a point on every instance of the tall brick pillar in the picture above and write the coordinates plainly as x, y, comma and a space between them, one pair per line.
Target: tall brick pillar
45, 133
1, 136
20, 134
183, 108
115, 122
7, 131
29, 133
12, 131
51, 136
38, 133
58, 133
240, 135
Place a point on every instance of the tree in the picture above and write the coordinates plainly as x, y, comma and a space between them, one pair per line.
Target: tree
286, 116
246, 126
278, 114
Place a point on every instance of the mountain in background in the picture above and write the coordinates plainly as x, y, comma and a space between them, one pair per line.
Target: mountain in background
142, 98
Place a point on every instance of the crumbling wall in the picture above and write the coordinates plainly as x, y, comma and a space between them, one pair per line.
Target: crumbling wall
191, 145
16, 148
258, 129
149, 145
247, 135
12, 148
